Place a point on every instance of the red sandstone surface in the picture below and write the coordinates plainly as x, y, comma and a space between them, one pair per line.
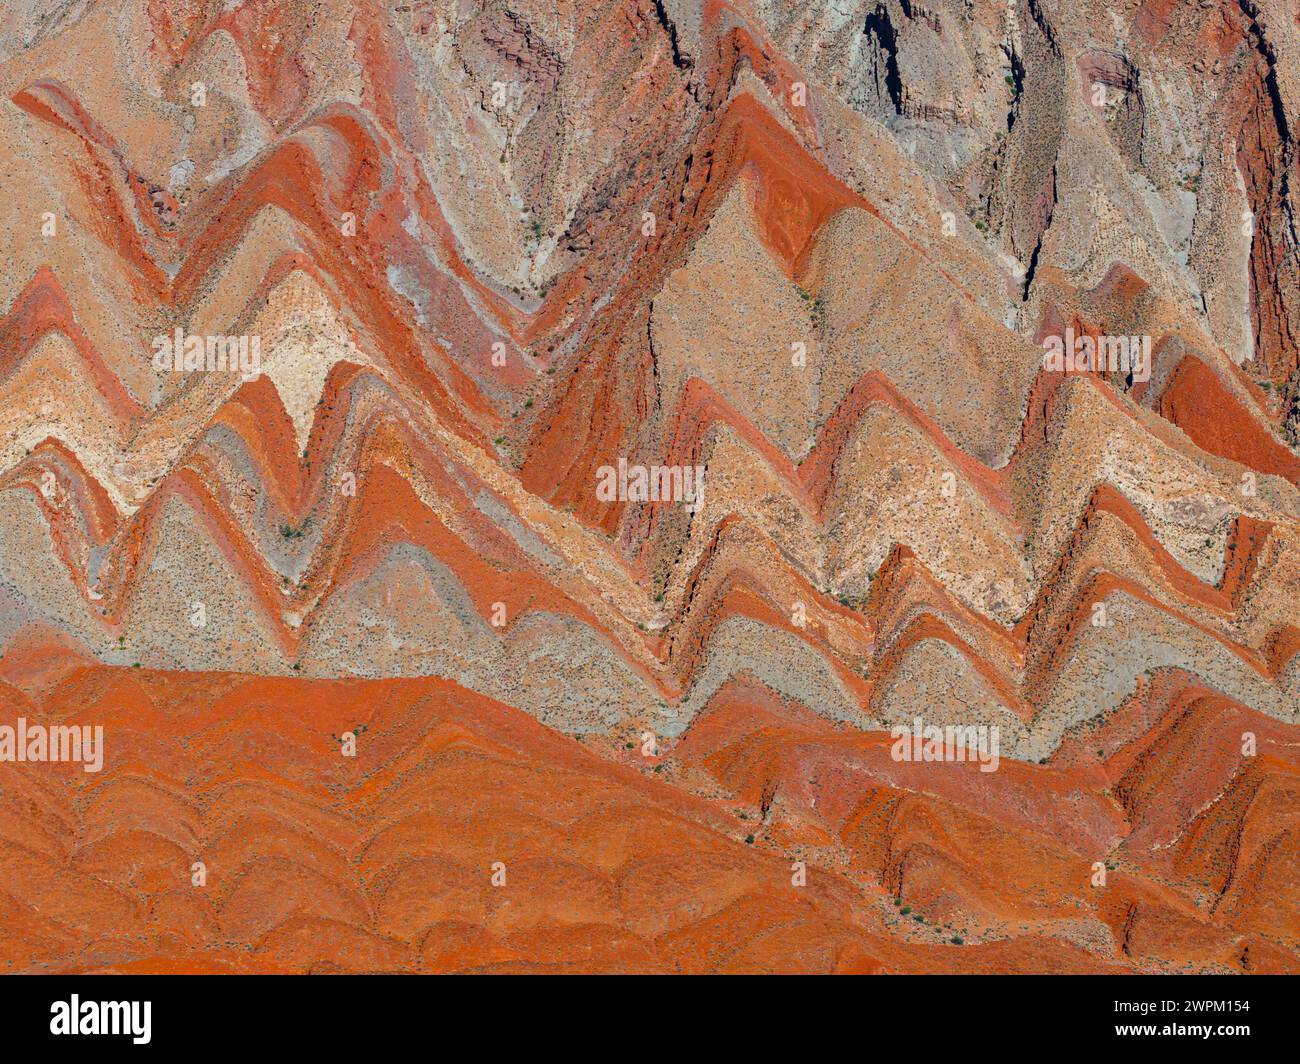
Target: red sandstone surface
370, 648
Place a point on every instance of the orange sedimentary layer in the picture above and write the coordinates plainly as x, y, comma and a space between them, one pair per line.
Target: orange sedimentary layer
316, 861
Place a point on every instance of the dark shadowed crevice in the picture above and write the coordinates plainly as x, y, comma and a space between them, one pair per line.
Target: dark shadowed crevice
881, 31
680, 61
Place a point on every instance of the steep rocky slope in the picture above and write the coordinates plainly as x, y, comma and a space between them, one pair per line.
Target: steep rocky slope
476, 256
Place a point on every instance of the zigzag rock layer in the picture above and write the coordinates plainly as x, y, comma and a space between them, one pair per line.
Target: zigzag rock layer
621, 419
